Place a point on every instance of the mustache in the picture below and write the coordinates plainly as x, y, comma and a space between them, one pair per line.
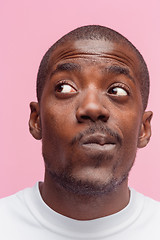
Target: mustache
100, 128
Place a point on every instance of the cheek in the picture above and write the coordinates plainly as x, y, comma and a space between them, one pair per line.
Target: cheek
130, 132
131, 127
52, 143
57, 124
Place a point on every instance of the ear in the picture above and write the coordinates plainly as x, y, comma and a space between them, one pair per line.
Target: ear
34, 121
145, 131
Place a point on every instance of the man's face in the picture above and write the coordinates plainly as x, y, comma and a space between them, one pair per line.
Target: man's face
91, 115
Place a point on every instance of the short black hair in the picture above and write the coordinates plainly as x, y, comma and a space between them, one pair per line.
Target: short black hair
95, 32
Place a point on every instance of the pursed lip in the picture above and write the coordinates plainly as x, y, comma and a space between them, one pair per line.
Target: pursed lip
97, 143
99, 139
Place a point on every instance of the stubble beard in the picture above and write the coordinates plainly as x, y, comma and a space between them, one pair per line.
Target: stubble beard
88, 188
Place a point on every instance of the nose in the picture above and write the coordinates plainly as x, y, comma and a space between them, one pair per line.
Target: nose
92, 108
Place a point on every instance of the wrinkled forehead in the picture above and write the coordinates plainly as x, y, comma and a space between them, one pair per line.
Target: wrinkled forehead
95, 50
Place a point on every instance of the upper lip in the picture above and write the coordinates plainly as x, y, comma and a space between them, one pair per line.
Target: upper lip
100, 139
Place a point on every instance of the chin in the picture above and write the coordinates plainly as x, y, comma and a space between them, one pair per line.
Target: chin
88, 184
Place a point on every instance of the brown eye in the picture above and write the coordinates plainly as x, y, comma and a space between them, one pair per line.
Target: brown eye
118, 91
65, 88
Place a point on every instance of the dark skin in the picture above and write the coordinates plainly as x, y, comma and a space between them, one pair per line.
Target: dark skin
91, 121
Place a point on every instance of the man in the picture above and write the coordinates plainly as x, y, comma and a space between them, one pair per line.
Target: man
92, 90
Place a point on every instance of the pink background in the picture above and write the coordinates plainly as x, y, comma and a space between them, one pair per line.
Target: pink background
28, 28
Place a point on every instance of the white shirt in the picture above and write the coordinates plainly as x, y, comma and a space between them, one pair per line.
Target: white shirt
25, 216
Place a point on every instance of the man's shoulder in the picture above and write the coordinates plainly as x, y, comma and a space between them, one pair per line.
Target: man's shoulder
148, 201
150, 208
138, 195
152, 204
18, 196
16, 217
13, 204
11, 200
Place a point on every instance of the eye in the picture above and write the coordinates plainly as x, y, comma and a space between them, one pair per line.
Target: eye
65, 88
118, 91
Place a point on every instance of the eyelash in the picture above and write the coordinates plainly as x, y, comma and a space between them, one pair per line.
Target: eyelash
120, 85
63, 82
113, 94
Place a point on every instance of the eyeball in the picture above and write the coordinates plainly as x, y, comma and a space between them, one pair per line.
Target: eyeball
118, 91
65, 88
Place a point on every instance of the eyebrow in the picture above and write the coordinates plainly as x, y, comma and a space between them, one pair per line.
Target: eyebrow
66, 67
119, 70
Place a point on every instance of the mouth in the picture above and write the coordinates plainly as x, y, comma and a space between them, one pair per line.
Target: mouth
98, 142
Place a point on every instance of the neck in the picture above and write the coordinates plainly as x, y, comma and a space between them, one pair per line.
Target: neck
83, 207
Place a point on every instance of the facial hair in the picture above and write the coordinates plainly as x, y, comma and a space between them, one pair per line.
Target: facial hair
67, 181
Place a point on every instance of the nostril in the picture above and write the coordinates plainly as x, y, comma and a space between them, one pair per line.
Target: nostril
85, 117
102, 117
94, 118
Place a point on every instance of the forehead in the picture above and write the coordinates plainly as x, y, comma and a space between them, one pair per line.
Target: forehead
95, 52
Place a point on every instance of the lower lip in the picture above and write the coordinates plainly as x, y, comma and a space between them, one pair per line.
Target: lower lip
98, 147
